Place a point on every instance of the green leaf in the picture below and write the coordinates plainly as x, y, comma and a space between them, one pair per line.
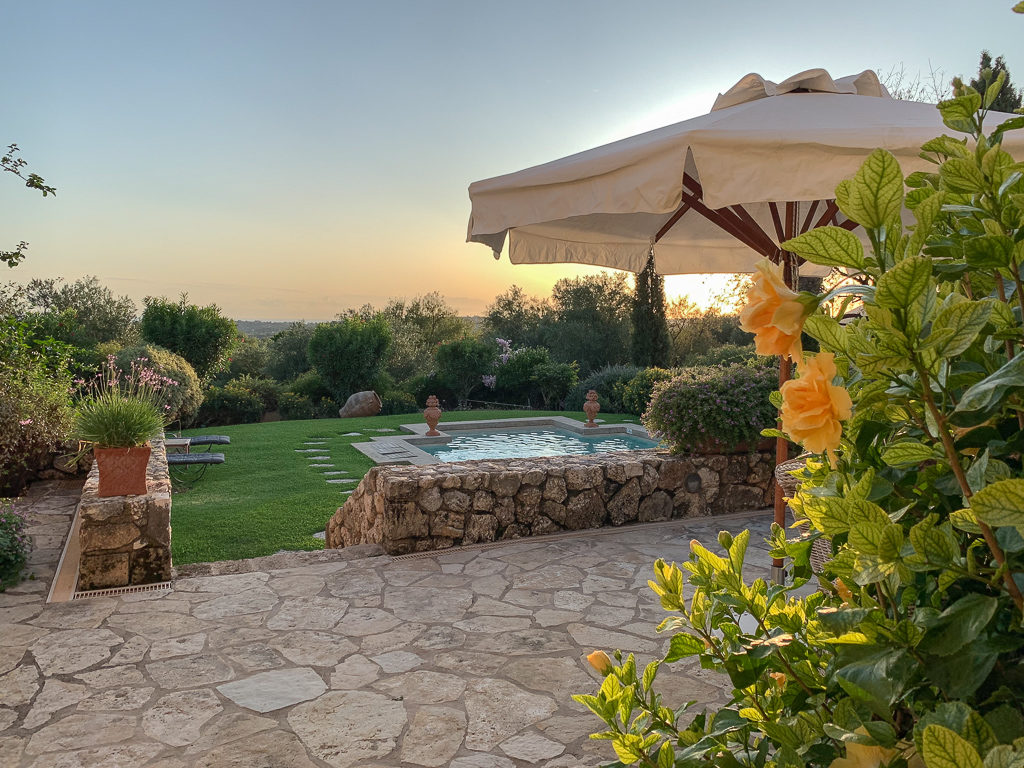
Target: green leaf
901, 285
875, 193
958, 113
827, 331
629, 747
992, 92
906, 454
945, 749
947, 145
927, 213
965, 321
775, 398
990, 390
650, 671
666, 756
962, 175
988, 251
682, 646
1001, 503
829, 247
959, 624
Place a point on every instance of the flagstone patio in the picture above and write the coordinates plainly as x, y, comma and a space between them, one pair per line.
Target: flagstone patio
465, 658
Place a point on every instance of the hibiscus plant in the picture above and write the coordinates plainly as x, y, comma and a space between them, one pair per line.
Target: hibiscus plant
909, 653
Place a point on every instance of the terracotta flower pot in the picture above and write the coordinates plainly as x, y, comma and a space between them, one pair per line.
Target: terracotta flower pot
122, 470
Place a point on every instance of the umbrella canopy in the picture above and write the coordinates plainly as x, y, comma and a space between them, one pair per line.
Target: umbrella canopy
711, 194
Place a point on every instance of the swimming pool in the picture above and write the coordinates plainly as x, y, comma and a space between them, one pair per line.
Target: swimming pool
527, 442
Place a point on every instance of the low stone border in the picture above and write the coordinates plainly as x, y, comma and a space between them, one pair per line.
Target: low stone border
418, 508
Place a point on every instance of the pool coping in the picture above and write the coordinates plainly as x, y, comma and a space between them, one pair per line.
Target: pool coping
403, 448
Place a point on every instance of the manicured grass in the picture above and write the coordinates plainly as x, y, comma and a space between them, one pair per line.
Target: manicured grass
266, 497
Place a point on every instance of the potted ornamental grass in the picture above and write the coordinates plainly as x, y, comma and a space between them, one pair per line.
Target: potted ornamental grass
720, 409
116, 417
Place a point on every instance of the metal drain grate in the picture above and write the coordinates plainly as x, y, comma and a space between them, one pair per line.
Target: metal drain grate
163, 586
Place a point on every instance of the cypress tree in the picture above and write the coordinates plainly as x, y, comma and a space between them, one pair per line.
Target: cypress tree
650, 329
1009, 98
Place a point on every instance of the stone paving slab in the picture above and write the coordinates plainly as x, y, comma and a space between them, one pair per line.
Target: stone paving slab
464, 658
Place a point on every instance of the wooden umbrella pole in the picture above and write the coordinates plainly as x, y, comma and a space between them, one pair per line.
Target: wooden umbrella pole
789, 275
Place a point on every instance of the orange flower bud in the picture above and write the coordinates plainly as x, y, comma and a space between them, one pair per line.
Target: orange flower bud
779, 679
600, 661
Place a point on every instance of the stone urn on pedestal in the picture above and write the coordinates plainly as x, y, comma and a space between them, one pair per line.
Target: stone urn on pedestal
432, 415
591, 408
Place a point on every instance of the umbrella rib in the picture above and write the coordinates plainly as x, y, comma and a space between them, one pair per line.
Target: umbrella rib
756, 228
723, 218
777, 221
810, 215
672, 221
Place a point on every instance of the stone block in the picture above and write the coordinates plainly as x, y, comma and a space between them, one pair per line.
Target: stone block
404, 519
448, 524
430, 499
150, 565
505, 484
483, 501
505, 511
544, 525
480, 528
555, 490
457, 501
624, 505
400, 488
534, 477
581, 477
103, 571
585, 510
100, 538
656, 507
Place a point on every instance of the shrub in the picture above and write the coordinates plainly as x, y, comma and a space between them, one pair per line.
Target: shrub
230, 404
425, 385
712, 406
293, 406
553, 381
637, 394
349, 354
515, 374
287, 355
910, 651
248, 357
310, 385
396, 401
610, 383
267, 390
15, 544
35, 402
184, 398
462, 363
725, 354
201, 335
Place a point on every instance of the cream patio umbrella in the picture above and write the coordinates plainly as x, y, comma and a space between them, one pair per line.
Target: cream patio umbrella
712, 194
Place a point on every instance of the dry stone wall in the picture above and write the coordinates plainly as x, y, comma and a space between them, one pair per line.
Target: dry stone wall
126, 539
417, 508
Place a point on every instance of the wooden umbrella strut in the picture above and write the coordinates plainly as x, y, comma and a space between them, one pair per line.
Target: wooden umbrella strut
737, 221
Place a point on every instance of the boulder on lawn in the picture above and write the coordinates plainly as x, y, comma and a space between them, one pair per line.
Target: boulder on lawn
366, 403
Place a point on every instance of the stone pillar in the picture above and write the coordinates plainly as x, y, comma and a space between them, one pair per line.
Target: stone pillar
126, 540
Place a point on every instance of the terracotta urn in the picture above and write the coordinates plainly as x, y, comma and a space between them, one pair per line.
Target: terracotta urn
122, 471
432, 415
591, 408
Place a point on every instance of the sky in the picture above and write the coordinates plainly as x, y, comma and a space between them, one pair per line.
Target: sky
287, 160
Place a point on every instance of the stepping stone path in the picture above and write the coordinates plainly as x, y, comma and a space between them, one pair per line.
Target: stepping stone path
315, 442
386, 429
353, 434
464, 658
317, 458
336, 472
342, 480
309, 450
322, 465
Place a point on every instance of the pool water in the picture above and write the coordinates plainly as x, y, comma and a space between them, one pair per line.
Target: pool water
530, 441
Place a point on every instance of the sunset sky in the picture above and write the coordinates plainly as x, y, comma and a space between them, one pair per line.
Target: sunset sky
287, 160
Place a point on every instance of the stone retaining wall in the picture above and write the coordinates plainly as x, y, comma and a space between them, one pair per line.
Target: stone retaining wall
127, 539
417, 508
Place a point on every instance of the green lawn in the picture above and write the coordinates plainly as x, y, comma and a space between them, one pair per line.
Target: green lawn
266, 497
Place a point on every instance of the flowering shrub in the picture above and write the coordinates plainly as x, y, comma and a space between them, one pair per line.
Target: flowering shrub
716, 408
910, 653
520, 372
35, 402
637, 394
15, 545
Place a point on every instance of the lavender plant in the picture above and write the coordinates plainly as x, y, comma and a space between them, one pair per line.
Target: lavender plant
122, 409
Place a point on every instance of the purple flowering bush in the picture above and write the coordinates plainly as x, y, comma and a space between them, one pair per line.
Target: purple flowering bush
15, 545
717, 407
